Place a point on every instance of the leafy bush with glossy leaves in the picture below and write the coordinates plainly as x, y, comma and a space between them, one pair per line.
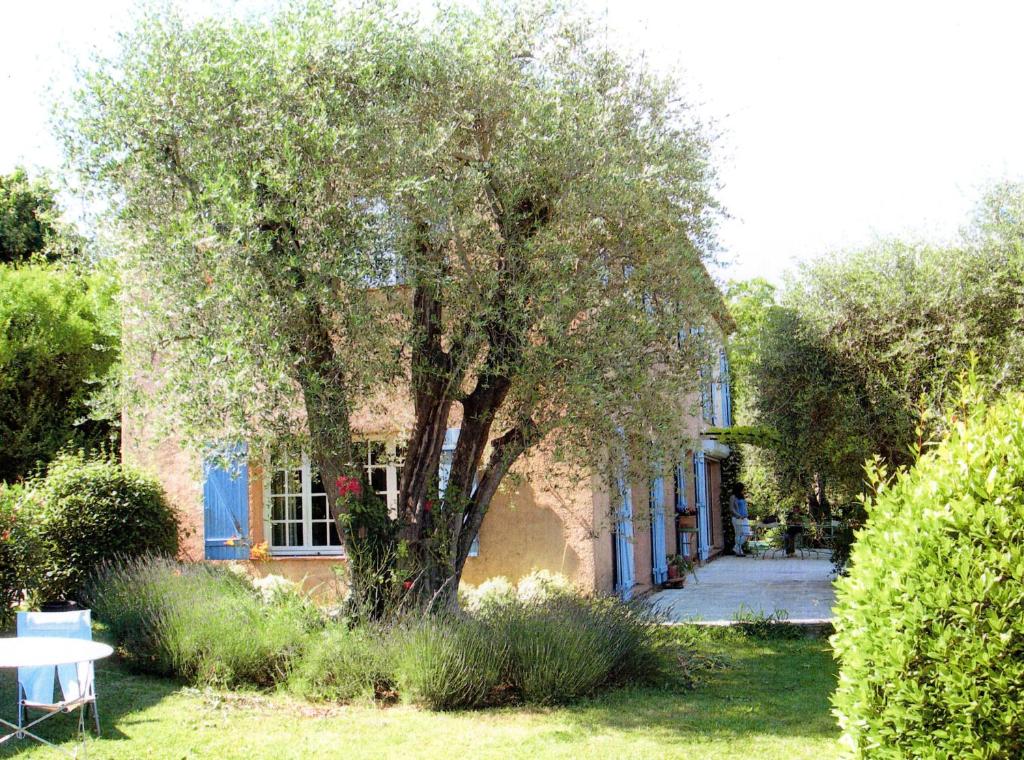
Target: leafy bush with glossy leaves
92, 509
19, 550
59, 341
930, 619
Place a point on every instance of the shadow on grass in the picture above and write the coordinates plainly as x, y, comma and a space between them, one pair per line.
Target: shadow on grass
120, 693
768, 689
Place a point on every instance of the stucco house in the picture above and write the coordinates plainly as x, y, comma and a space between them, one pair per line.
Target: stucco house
603, 539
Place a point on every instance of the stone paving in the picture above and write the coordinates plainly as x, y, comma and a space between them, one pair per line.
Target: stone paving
800, 587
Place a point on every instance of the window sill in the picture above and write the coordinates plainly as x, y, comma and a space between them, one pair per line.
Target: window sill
329, 557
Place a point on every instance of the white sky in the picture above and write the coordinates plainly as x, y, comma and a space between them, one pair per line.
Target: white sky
839, 122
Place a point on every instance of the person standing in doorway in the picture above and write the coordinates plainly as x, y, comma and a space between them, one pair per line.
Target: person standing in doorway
740, 521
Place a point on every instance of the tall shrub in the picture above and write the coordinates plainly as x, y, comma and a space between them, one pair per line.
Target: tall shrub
92, 509
930, 620
59, 337
19, 554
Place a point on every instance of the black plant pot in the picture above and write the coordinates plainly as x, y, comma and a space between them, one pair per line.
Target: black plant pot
60, 605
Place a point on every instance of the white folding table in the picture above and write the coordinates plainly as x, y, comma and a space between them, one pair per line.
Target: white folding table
44, 651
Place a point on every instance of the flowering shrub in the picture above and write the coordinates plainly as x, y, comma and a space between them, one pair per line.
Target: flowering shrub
349, 486
209, 625
538, 586
273, 587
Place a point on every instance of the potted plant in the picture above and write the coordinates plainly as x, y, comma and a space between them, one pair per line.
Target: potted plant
678, 568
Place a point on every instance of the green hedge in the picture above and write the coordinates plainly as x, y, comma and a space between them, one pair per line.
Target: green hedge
92, 509
930, 620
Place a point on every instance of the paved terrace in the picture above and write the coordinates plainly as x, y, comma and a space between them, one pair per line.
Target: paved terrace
800, 587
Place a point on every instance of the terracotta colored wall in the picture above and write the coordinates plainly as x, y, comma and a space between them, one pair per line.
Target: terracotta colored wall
543, 519
177, 470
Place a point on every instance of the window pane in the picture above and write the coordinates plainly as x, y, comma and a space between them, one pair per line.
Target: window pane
317, 484
295, 508
277, 507
399, 455
378, 451
335, 541
277, 482
379, 479
319, 534
295, 534
277, 535
319, 508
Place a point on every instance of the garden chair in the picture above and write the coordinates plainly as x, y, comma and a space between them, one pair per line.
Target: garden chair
820, 533
77, 682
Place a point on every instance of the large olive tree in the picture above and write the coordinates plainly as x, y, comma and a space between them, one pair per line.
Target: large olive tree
490, 211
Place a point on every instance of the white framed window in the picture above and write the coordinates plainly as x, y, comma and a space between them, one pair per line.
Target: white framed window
297, 520
382, 460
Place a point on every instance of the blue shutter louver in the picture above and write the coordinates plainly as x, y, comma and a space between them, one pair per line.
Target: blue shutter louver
659, 563
226, 506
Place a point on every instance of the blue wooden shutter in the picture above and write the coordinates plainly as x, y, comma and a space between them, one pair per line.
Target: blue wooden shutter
726, 390
624, 579
226, 507
659, 563
444, 471
700, 473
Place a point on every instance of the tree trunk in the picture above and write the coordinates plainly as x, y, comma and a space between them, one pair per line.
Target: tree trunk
818, 506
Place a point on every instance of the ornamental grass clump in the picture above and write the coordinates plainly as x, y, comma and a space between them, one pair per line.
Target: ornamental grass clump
567, 647
930, 620
448, 663
199, 622
344, 664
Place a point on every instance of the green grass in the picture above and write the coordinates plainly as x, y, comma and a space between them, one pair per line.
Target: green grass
769, 702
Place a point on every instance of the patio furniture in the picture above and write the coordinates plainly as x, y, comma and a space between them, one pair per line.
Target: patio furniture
50, 642
760, 544
822, 533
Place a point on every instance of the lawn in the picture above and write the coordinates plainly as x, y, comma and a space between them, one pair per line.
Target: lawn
769, 701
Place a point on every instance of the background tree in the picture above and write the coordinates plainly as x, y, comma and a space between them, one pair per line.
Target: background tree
546, 203
59, 338
861, 353
28, 217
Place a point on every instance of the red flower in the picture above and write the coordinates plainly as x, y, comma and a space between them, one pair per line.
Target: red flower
428, 505
407, 585
347, 485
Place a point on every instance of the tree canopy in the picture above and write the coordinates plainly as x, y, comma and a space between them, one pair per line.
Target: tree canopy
491, 214
862, 352
59, 337
28, 216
